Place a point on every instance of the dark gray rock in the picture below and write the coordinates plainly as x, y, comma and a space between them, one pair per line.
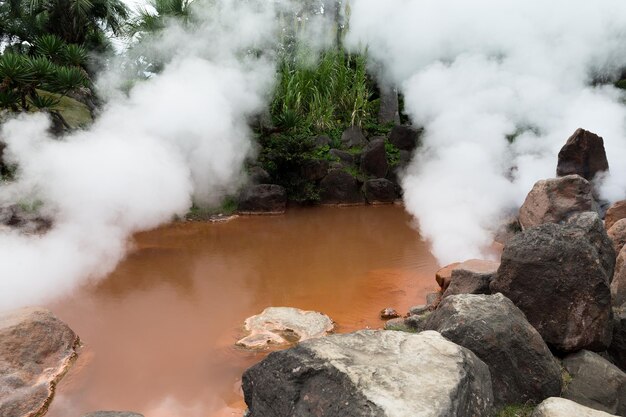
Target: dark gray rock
321, 141
258, 175
617, 350
339, 187
25, 220
3, 167
583, 154
36, 350
314, 169
591, 227
263, 198
113, 414
370, 374
346, 158
468, 280
374, 159
353, 137
555, 276
595, 382
521, 365
389, 105
405, 138
379, 190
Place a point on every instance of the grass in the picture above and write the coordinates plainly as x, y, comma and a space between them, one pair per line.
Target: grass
75, 113
226, 208
516, 410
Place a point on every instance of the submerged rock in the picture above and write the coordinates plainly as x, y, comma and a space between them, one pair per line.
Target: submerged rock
521, 365
389, 313
554, 200
339, 187
560, 407
616, 212
281, 326
583, 154
555, 276
263, 198
370, 374
36, 349
595, 382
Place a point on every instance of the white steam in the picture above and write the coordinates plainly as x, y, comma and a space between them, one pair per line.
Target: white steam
475, 72
181, 136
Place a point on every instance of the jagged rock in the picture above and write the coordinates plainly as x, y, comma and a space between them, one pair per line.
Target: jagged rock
471, 267
561, 407
591, 227
314, 169
353, 137
370, 374
554, 200
616, 212
346, 158
389, 313
444, 275
618, 284
389, 105
374, 159
258, 175
418, 310
339, 187
555, 276
321, 141
405, 138
113, 414
472, 277
617, 350
433, 299
521, 365
617, 234
379, 190
36, 349
583, 154
263, 198
284, 326
595, 382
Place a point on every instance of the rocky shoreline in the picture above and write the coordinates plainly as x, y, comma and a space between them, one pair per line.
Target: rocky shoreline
543, 329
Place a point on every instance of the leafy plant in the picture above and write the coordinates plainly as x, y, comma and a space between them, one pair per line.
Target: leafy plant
393, 154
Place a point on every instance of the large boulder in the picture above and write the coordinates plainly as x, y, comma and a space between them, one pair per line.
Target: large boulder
263, 198
374, 159
258, 175
370, 374
595, 382
314, 169
589, 225
340, 187
617, 234
521, 365
379, 190
353, 137
389, 106
616, 212
618, 284
471, 267
36, 350
472, 277
113, 414
405, 138
561, 407
283, 326
583, 154
554, 200
555, 276
617, 350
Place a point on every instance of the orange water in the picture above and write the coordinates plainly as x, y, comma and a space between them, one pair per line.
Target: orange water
159, 332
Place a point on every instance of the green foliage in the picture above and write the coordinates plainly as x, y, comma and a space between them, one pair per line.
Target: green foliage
227, 207
51, 47
516, 410
332, 93
393, 154
621, 84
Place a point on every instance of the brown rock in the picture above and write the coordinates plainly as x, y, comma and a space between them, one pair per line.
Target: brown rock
444, 275
616, 212
472, 277
617, 233
554, 200
389, 313
36, 349
583, 154
618, 284
472, 266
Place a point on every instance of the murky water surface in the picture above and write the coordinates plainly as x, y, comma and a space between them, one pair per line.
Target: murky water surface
159, 332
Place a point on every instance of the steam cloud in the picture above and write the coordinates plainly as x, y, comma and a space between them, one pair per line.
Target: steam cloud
473, 73
182, 135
